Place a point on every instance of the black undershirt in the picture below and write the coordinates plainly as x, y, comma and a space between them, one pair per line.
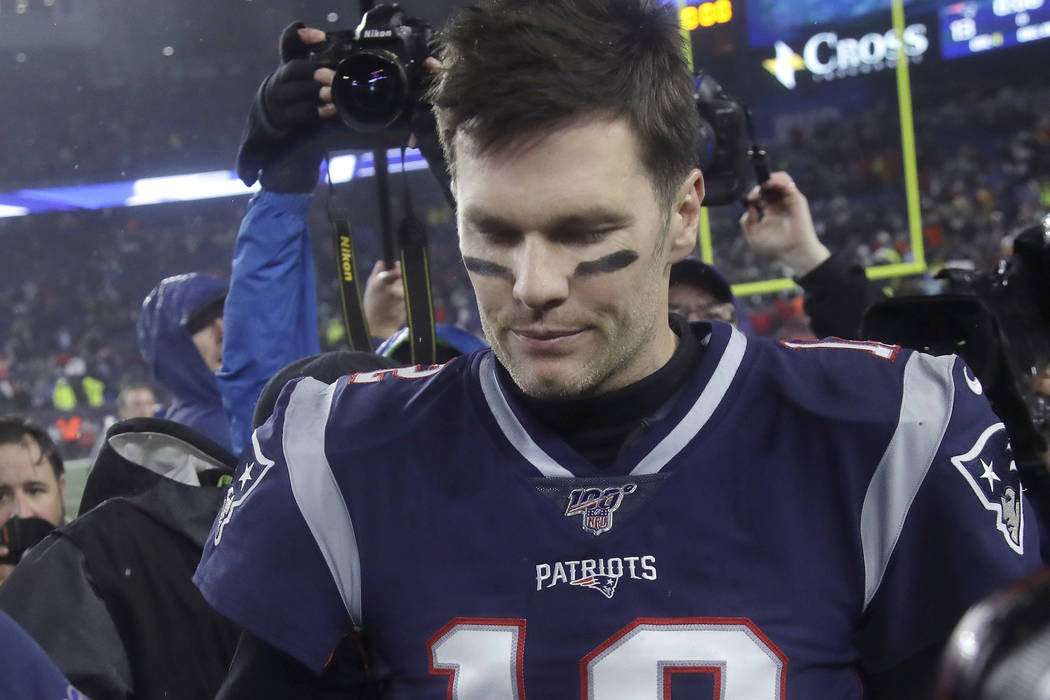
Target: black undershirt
601, 427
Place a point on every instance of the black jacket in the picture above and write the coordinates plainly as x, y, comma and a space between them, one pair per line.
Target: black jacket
837, 293
109, 595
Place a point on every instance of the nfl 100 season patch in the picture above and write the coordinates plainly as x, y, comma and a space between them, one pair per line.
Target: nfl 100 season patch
597, 505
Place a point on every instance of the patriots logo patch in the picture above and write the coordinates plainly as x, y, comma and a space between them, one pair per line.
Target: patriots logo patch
606, 585
990, 470
242, 488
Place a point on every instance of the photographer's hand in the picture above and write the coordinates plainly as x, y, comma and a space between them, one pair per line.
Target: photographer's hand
5, 569
384, 300
282, 138
778, 223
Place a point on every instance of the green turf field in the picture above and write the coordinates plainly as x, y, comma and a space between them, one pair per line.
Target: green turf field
76, 475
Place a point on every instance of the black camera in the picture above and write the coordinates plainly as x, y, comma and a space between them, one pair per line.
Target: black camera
999, 322
380, 74
723, 151
19, 534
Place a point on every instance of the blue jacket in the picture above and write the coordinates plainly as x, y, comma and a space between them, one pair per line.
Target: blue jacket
174, 360
270, 316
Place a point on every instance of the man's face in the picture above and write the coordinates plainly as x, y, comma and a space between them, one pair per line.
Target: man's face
697, 305
209, 342
568, 250
138, 403
28, 487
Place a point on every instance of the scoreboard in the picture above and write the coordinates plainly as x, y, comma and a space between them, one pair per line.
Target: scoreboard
977, 26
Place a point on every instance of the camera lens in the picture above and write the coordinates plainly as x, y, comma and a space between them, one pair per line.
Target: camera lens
369, 89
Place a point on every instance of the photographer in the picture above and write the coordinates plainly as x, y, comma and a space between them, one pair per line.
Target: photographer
32, 488
271, 309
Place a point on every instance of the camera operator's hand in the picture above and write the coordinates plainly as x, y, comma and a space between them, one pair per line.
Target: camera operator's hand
5, 569
282, 138
384, 300
778, 223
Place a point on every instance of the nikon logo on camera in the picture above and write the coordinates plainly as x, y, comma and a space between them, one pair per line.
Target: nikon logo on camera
378, 33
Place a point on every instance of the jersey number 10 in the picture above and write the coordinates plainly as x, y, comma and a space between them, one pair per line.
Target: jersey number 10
484, 658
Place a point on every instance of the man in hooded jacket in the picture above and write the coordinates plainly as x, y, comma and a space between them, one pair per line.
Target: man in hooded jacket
180, 337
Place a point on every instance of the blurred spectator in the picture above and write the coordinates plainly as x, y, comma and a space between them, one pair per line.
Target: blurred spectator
699, 292
32, 486
135, 400
180, 333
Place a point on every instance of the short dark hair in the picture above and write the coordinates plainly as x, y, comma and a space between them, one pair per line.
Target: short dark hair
515, 70
14, 430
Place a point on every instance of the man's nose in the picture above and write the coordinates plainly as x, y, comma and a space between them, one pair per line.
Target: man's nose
24, 506
541, 274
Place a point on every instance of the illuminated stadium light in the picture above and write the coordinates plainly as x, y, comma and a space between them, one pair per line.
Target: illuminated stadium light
367, 169
341, 168
181, 188
6, 210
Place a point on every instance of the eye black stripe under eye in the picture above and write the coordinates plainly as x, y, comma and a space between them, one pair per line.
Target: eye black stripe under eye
485, 267
609, 263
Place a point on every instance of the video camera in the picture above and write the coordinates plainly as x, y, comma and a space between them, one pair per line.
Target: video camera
999, 323
380, 74
724, 154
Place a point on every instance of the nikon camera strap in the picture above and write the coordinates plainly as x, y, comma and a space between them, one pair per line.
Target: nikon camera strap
357, 334
415, 275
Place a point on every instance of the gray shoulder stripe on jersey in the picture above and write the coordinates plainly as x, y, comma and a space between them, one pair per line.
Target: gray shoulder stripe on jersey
315, 489
701, 411
926, 407
512, 427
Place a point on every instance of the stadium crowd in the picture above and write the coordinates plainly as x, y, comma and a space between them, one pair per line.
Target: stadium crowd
70, 304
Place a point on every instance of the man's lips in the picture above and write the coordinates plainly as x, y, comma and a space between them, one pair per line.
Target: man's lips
546, 337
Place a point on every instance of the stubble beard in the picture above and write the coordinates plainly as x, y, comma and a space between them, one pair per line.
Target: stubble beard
611, 356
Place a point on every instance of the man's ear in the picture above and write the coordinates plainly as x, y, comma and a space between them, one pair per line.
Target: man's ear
685, 216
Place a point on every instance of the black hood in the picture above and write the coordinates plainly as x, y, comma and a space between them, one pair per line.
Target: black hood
164, 468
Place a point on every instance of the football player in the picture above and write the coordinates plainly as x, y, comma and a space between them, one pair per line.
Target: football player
607, 502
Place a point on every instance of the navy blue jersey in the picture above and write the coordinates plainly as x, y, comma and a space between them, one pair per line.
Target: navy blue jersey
26, 671
800, 512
